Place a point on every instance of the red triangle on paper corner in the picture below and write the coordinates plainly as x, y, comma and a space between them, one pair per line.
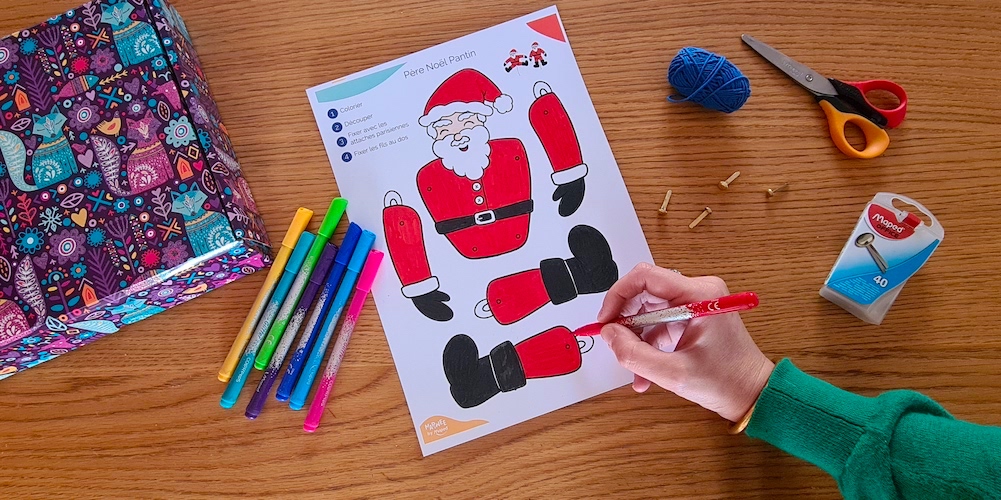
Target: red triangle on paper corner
548, 26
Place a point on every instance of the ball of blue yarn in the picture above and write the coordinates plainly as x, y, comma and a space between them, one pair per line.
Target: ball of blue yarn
708, 79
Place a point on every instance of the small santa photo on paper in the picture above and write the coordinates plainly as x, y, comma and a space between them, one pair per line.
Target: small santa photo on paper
536, 57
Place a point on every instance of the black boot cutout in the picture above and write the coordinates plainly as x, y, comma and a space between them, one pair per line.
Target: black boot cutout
474, 380
591, 270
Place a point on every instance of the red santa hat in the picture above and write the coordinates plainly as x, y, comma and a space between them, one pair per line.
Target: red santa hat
514, 51
467, 90
535, 45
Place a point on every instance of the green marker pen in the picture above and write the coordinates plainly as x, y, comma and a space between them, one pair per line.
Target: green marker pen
323, 235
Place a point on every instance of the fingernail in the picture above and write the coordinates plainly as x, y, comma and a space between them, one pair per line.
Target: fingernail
601, 313
606, 333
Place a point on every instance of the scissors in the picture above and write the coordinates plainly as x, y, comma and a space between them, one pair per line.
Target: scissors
843, 102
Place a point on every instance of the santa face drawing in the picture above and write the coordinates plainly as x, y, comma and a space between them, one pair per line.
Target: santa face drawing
461, 141
478, 193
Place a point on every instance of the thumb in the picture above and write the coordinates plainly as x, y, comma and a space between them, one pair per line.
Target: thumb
559, 192
645, 360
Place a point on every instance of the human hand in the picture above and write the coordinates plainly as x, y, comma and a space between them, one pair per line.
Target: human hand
714, 363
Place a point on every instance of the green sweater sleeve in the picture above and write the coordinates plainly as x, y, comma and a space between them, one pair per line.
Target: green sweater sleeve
900, 444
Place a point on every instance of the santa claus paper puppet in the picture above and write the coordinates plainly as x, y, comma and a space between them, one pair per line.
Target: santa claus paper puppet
478, 189
514, 60
537, 55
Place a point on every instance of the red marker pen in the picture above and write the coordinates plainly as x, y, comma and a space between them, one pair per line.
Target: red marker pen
731, 303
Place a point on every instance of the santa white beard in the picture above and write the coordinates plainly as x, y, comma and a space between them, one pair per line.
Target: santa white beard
469, 155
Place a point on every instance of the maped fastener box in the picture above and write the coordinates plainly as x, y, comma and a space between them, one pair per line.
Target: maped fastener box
121, 195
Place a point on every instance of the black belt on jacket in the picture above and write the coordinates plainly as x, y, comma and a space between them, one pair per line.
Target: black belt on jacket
484, 217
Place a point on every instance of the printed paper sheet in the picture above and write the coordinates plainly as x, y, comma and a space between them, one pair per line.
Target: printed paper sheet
482, 167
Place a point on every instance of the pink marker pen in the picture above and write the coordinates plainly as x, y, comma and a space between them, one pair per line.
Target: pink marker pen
326, 387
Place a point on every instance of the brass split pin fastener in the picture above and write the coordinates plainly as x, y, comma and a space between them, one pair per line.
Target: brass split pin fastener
667, 199
705, 213
726, 184
771, 192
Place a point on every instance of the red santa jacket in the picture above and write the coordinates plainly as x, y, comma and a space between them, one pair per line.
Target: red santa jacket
481, 218
487, 216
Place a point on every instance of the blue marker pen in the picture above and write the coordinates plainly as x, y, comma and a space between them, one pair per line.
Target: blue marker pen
323, 304
301, 391
235, 385
275, 364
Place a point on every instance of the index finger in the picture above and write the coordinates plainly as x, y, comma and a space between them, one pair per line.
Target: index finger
663, 283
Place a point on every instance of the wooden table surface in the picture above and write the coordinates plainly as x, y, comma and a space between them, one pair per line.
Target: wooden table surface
137, 414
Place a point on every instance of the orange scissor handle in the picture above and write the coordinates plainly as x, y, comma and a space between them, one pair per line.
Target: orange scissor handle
876, 139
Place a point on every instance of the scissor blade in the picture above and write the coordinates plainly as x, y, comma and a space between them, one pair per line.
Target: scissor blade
803, 75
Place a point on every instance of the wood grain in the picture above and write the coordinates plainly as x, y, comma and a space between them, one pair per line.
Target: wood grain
137, 414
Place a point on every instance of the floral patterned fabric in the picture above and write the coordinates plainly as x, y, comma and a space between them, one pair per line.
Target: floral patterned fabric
120, 195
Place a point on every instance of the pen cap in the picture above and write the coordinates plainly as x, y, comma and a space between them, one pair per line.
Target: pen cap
349, 244
369, 272
333, 217
299, 223
323, 264
365, 242
299, 254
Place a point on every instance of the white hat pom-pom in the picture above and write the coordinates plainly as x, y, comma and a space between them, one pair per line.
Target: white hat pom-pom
504, 103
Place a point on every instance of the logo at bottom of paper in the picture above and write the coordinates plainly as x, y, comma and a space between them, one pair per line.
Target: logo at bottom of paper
439, 427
